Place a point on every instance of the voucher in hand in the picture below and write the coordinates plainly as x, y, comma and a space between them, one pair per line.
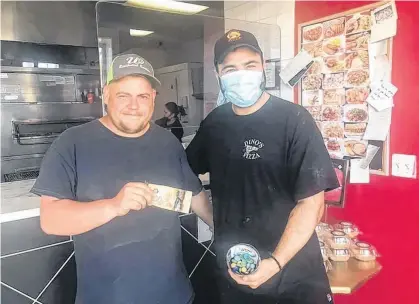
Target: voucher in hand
171, 198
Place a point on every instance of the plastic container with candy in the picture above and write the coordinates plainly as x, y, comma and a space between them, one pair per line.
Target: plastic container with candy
350, 229
243, 259
323, 230
338, 240
364, 252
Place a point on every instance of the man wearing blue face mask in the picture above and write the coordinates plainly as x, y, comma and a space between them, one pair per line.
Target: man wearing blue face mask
268, 169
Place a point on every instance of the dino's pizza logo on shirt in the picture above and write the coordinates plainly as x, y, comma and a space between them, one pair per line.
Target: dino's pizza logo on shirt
251, 148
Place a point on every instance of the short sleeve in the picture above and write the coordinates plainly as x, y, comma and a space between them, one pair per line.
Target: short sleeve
191, 181
197, 152
310, 167
57, 176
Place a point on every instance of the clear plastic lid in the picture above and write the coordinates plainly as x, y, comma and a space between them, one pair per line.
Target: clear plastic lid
350, 229
340, 252
364, 249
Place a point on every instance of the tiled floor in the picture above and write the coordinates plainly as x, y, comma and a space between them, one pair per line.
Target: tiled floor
40, 269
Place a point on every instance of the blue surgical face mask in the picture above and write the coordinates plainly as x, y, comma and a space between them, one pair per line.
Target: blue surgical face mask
242, 88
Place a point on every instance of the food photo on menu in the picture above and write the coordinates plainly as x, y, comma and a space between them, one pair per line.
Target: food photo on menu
336, 87
355, 113
335, 147
356, 95
333, 81
314, 49
360, 22
333, 129
334, 97
333, 28
355, 148
357, 78
316, 112
355, 130
316, 68
334, 45
312, 82
358, 59
313, 33
312, 98
333, 64
331, 113
358, 41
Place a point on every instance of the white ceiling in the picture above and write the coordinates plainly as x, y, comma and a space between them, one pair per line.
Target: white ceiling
170, 30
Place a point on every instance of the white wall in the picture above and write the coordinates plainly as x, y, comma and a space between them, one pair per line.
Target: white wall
281, 13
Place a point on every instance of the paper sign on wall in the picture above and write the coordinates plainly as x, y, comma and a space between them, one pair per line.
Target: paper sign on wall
296, 68
384, 20
381, 96
358, 175
404, 165
378, 124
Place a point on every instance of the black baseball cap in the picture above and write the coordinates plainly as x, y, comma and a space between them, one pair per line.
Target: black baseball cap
232, 40
131, 64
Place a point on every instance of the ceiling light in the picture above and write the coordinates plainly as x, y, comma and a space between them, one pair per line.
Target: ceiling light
168, 6
139, 33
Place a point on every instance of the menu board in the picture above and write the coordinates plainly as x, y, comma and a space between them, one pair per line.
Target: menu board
335, 88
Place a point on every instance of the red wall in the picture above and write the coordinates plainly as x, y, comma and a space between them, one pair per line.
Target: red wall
387, 209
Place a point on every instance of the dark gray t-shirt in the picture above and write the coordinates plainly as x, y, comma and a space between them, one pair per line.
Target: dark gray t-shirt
132, 259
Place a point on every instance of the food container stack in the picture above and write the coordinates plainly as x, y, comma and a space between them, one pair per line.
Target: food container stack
364, 252
339, 243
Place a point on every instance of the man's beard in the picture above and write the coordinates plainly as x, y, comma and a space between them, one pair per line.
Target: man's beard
121, 126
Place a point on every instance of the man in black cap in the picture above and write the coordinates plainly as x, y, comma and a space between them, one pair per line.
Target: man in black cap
268, 169
93, 185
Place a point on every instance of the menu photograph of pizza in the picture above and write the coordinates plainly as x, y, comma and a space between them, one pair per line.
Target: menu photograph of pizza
337, 85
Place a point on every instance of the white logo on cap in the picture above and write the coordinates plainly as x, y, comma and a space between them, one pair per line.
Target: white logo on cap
134, 62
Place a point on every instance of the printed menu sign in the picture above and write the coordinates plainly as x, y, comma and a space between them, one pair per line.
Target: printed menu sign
347, 88
171, 198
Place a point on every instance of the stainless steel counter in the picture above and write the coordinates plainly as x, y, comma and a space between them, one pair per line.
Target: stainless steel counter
17, 202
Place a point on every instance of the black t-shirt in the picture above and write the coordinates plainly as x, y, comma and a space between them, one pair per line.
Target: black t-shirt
176, 129
136, 258
260, 166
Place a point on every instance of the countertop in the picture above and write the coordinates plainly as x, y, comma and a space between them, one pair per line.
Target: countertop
18, 203
346, 277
